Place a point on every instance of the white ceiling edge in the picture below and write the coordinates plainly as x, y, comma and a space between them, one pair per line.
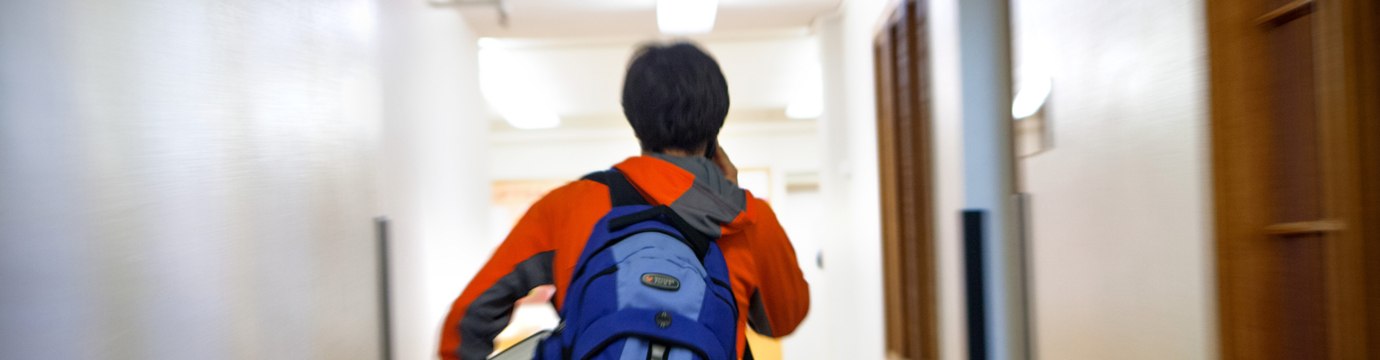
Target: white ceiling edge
583, 77
586, 18
514, 43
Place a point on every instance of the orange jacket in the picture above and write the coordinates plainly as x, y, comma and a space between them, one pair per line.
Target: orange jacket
542, 249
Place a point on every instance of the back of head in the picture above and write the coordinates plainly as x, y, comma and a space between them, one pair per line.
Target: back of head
675, 97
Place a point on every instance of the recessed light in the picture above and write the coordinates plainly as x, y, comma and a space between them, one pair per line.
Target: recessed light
686, 16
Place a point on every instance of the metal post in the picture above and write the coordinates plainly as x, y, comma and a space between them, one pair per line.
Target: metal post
385, 313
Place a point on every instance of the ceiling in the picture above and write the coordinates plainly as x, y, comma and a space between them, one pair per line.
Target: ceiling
582, 83
633, 18
569, 56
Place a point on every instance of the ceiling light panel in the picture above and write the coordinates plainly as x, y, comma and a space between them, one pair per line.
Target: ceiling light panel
682, 17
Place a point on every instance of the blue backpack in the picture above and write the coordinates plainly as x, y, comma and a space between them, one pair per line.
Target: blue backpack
647, 286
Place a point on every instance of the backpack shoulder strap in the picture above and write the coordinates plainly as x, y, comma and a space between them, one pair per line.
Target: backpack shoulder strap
621, 192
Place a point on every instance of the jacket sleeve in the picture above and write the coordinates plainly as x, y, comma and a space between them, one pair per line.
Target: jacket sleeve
521, 263
782, 297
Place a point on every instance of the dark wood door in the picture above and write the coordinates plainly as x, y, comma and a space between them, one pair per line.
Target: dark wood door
901, 53
1294, 158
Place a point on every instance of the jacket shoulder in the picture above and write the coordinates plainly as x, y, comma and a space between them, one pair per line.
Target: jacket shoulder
574, 194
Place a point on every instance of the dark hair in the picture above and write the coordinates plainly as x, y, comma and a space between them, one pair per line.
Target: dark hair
675, 97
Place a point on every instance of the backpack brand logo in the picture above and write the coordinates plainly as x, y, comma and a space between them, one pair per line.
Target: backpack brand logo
661, 281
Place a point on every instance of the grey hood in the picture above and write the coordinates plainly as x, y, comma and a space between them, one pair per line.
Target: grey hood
712, 200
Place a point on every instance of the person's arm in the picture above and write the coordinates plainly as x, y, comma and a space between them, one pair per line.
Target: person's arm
782, 297
520, 264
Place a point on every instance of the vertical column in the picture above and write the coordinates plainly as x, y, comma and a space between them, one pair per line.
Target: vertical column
435, 178
989, 169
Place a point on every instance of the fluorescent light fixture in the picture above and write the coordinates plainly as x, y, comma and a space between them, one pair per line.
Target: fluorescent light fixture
508, 83
805, 109
686, 16
490, 43
1031, 97
808, 100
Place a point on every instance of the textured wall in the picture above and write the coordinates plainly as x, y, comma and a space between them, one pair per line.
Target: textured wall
562, 154
436, 188
188, 179
1121, 251
851, 307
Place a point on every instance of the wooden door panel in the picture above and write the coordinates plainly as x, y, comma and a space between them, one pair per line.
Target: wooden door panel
903, 130
1292, 158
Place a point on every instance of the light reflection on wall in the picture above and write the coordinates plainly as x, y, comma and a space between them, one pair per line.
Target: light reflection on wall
188, 179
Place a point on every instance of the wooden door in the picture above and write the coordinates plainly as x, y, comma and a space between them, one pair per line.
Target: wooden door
901, 53
1295, 161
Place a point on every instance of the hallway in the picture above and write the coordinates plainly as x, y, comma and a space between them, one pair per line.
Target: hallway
313, 179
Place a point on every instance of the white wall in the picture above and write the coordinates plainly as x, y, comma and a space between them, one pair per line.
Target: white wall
436, 189
187, 179
569, 154
1122, 251
853, 307
197, 179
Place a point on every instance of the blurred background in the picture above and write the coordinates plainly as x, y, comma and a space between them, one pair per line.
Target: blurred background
961, 179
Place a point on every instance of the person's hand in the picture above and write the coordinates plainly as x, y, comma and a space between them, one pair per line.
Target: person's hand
538, 295
721, 159
531, 314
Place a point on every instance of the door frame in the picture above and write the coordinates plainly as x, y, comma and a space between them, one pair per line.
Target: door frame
902, 66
